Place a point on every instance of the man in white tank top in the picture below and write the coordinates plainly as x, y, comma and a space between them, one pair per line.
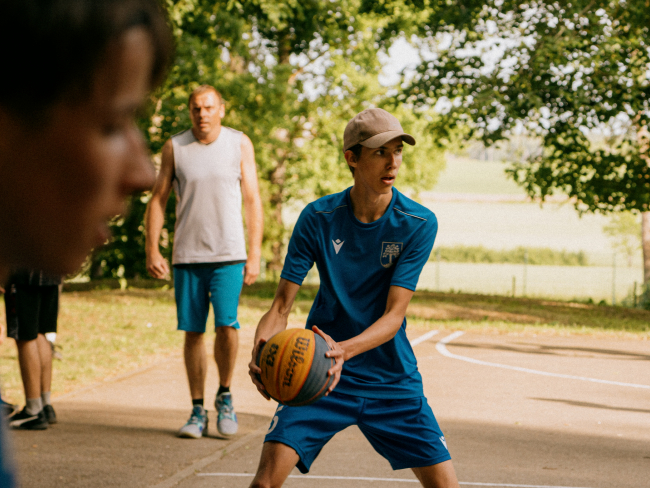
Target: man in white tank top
212, 170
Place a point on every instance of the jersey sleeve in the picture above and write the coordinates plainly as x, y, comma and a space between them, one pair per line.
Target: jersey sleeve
415, 256
301, 253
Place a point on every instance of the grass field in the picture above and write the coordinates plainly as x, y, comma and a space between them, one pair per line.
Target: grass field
104, 334
476, 204
558, 282
463, 175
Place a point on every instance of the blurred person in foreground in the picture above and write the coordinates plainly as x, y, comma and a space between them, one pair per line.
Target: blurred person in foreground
70, 152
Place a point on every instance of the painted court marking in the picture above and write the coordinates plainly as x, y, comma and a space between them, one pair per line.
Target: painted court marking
423, 338
391, 480
440, 346
442, 349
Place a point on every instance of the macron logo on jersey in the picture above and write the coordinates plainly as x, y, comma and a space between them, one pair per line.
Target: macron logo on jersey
337, 245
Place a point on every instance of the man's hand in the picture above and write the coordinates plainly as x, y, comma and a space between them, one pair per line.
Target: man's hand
251, 271
336, 352
254, 370
157, 266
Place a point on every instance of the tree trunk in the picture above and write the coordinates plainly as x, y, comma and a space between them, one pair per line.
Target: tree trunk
277, 177
645, 243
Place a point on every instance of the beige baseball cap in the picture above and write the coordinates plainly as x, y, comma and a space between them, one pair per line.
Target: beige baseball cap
373, 128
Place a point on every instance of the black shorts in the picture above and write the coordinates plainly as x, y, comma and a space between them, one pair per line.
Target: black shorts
31, 310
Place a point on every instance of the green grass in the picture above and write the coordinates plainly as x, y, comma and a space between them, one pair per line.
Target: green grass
107, 333
464, 175
581, 283
102, 334
486, 312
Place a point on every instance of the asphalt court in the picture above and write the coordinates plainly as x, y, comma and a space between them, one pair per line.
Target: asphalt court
506, 424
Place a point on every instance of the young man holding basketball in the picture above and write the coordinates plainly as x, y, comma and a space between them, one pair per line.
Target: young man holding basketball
370, 244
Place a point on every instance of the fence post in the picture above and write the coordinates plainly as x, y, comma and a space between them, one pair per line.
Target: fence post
514, 280
634, 295
525, 271
614, 279
438, 269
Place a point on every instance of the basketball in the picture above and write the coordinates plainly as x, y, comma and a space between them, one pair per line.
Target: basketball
294, 367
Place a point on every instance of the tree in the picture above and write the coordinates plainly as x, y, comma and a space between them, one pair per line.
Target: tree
572, 74
292, 74
624, 231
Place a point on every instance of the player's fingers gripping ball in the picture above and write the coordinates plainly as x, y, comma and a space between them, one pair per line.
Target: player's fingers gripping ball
294, 367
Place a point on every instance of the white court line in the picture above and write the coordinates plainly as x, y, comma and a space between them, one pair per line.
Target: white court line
392, 480
442, 349
423, 338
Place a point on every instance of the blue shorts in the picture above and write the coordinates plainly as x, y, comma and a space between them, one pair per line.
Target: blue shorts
404, 431
196, 287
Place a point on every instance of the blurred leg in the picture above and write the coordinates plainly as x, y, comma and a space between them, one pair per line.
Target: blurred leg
196, 363
30, 368
45, 357
226, 343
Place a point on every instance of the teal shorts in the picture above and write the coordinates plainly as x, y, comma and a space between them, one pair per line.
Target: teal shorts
195, 287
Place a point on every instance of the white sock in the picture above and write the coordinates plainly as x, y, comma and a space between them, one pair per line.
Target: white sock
45, 396
34, 405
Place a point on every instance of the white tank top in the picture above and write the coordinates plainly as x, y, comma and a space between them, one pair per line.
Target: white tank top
207, 181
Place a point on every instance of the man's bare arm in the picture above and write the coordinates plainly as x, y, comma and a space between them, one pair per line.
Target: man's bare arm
252, 210
154, 218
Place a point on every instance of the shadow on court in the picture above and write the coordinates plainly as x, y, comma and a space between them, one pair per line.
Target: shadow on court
114, 447
503, 427
483, 453
593, 405
534, 348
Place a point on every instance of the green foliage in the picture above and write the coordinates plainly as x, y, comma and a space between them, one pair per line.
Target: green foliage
644, 299
292, 74
624, 229
124, 255
536, 256
564, 72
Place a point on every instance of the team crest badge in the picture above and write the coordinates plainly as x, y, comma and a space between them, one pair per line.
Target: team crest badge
389, 253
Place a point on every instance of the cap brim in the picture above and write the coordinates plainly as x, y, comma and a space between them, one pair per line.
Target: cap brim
381, 139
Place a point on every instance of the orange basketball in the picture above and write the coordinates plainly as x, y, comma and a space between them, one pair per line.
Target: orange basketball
294, 367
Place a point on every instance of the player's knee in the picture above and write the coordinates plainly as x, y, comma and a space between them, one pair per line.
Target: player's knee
193, 338
226, 333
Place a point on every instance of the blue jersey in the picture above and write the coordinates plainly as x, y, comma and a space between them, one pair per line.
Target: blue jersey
358, 263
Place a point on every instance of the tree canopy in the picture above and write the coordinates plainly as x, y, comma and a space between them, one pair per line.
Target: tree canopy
573, 74
292, 74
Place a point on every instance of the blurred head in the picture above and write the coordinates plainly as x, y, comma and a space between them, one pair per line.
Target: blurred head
206, 111
70, 152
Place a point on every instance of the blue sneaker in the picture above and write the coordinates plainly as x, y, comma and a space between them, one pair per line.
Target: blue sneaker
197, 426
226, 416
